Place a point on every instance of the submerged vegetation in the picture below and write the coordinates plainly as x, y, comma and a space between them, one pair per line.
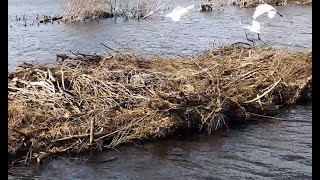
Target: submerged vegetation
90, 102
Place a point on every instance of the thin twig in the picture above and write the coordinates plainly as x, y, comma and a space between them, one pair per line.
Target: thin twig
109, 48
152, 12
265, 93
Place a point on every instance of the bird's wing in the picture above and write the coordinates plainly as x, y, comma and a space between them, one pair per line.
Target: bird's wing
173, 13
168, 15
177, 8
252, 29
258, 12
246, 27
261, 9
255, 24
177, 12
183, 11
271, 14
176, 18
256, 31
269, 7
190, 7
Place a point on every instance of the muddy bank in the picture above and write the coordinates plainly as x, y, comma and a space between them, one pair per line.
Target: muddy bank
91, 102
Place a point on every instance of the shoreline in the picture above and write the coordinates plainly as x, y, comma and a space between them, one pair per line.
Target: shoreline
90, 102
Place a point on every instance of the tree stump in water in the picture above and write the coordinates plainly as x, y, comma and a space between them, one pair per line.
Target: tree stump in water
206, 7
47, 19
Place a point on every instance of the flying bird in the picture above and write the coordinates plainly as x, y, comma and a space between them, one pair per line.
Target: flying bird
177, 12
265, 8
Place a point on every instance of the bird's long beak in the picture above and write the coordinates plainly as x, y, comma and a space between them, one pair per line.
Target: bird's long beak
279, 14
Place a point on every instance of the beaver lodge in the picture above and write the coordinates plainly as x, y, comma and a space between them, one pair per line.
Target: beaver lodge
88, 102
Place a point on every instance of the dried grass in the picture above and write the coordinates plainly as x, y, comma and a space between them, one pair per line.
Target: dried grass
98, 9
131, 98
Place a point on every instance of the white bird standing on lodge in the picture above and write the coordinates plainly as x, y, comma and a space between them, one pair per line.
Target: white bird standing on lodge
261, 9
265, 8
177, 12
254, 27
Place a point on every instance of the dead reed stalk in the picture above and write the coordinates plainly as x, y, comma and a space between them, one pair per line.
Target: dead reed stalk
98, 9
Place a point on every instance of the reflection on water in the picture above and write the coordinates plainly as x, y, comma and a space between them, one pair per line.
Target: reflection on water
197, 31
276, 149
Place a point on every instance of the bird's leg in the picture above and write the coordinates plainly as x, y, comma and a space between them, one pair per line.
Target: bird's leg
251, 40
246, 35
262, 40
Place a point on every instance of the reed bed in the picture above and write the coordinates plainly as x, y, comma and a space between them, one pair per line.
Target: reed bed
98, 9
88, 103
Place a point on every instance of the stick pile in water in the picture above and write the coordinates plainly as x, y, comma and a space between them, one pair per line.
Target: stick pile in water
91, 102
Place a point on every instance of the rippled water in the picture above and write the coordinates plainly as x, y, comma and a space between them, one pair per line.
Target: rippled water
197, 31
273, 149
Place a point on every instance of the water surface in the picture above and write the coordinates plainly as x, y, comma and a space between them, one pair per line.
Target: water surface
196, 32
273, 149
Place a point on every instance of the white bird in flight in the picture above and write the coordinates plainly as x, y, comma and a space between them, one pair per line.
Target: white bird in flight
265, 8
177, 12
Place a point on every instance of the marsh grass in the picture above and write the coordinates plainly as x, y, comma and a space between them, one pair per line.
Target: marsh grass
98, 9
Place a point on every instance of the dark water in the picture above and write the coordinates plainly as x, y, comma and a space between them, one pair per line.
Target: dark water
277, 149
194, 33
274, 149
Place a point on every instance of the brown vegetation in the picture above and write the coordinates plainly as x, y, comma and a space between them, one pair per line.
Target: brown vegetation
91, 102
98, 9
